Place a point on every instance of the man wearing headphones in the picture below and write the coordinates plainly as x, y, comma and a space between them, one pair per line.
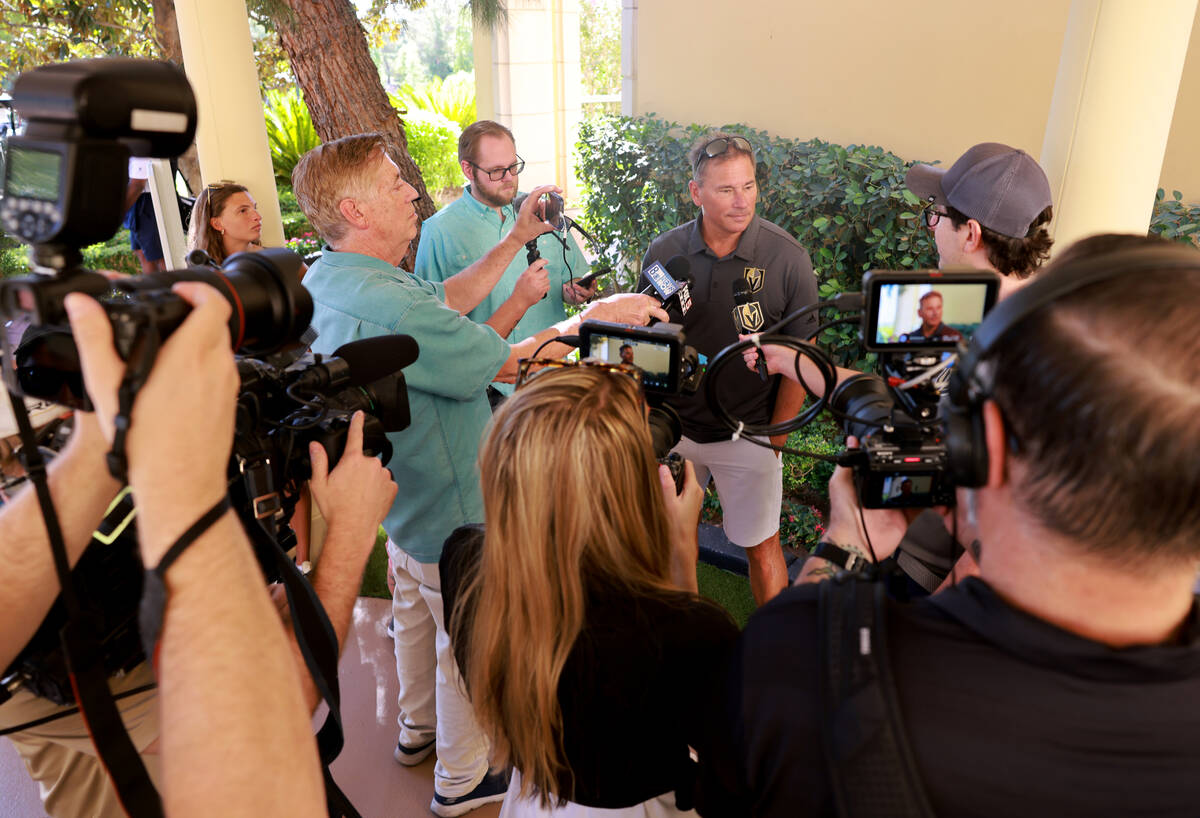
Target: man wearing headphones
1062, 679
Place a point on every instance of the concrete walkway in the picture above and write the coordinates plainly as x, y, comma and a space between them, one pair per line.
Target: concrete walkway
366, 772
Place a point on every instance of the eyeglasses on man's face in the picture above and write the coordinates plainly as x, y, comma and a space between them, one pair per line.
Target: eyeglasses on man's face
496, 174
933, 216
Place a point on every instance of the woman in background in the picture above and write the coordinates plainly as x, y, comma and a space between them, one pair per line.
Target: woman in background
593, 661
225, 221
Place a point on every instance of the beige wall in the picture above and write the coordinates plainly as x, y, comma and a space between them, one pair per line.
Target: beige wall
925, 79
1181, 165
527, 77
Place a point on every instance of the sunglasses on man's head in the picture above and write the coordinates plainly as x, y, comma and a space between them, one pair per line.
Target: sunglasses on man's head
530, 368
721, 145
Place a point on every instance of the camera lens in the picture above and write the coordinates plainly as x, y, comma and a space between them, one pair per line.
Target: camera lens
271, 308
665, 430
862, 398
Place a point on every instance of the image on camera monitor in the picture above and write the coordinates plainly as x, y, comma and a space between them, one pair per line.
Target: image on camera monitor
929, 313
653, 359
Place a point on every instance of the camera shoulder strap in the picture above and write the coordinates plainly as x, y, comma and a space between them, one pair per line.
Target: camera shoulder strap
871, 767
80, 645
319, 646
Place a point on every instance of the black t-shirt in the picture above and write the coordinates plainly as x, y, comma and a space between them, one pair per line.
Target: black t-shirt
780, 279
941, 333
638, 688
1006, 715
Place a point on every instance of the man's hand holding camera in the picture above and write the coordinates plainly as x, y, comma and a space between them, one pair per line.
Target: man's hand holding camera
530, 222
182, 421
223, 665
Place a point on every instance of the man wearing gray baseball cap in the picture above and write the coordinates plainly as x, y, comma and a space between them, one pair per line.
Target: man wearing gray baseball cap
988, 211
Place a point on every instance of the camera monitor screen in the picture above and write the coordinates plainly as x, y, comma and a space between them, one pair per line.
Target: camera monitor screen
903, 489
33, 174
653, 358
925, 310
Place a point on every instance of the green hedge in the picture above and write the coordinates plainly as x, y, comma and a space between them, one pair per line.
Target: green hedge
1175, 219
113, 254
433, 146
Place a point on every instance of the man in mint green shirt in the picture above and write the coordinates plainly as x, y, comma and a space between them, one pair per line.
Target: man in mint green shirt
527, 298
355, 197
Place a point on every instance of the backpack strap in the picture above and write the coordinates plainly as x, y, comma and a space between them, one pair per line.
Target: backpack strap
871, 767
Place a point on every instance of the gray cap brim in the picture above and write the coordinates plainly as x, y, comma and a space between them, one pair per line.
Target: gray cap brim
926, 182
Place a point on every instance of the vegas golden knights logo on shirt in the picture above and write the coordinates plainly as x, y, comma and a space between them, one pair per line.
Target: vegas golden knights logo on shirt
748, 316
754, 278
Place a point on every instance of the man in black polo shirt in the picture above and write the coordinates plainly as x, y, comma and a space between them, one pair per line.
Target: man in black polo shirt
932, 328
1062, 680
729, 243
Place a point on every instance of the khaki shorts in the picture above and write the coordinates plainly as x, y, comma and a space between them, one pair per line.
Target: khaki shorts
60, 757
749, 482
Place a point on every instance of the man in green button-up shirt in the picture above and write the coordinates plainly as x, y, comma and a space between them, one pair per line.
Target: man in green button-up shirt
356, 199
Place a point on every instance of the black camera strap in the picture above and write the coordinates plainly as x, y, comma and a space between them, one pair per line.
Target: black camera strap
872, 771
80, 644
136, 373
319, 647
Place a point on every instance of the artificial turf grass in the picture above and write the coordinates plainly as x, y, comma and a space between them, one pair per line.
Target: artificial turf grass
730, 591
374, 582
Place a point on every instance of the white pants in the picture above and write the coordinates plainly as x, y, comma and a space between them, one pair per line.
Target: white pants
516, 807
749, 482
432, 695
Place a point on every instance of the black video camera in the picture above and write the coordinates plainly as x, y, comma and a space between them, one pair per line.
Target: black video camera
281, 409
668, 366
915, 320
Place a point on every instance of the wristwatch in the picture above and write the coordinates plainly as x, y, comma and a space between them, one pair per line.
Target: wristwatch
841, 557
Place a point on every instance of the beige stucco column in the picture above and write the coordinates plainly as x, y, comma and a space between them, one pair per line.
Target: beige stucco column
231, 137
527, 76
629, 44
1110, 116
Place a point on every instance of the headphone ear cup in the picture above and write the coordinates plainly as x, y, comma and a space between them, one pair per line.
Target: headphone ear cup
966, 446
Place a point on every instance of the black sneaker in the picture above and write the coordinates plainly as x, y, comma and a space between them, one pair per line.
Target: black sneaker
491, 789
412, 756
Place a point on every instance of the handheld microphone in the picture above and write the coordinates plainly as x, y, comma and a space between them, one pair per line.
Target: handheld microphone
360, 362
670, 283
741, 297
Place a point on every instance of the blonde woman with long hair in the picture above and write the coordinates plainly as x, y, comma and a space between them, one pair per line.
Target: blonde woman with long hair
589, 657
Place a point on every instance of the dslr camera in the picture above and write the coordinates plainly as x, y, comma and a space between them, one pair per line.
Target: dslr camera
64, 187
914, 321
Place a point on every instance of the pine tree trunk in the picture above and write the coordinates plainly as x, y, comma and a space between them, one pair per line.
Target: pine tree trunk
327, 48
